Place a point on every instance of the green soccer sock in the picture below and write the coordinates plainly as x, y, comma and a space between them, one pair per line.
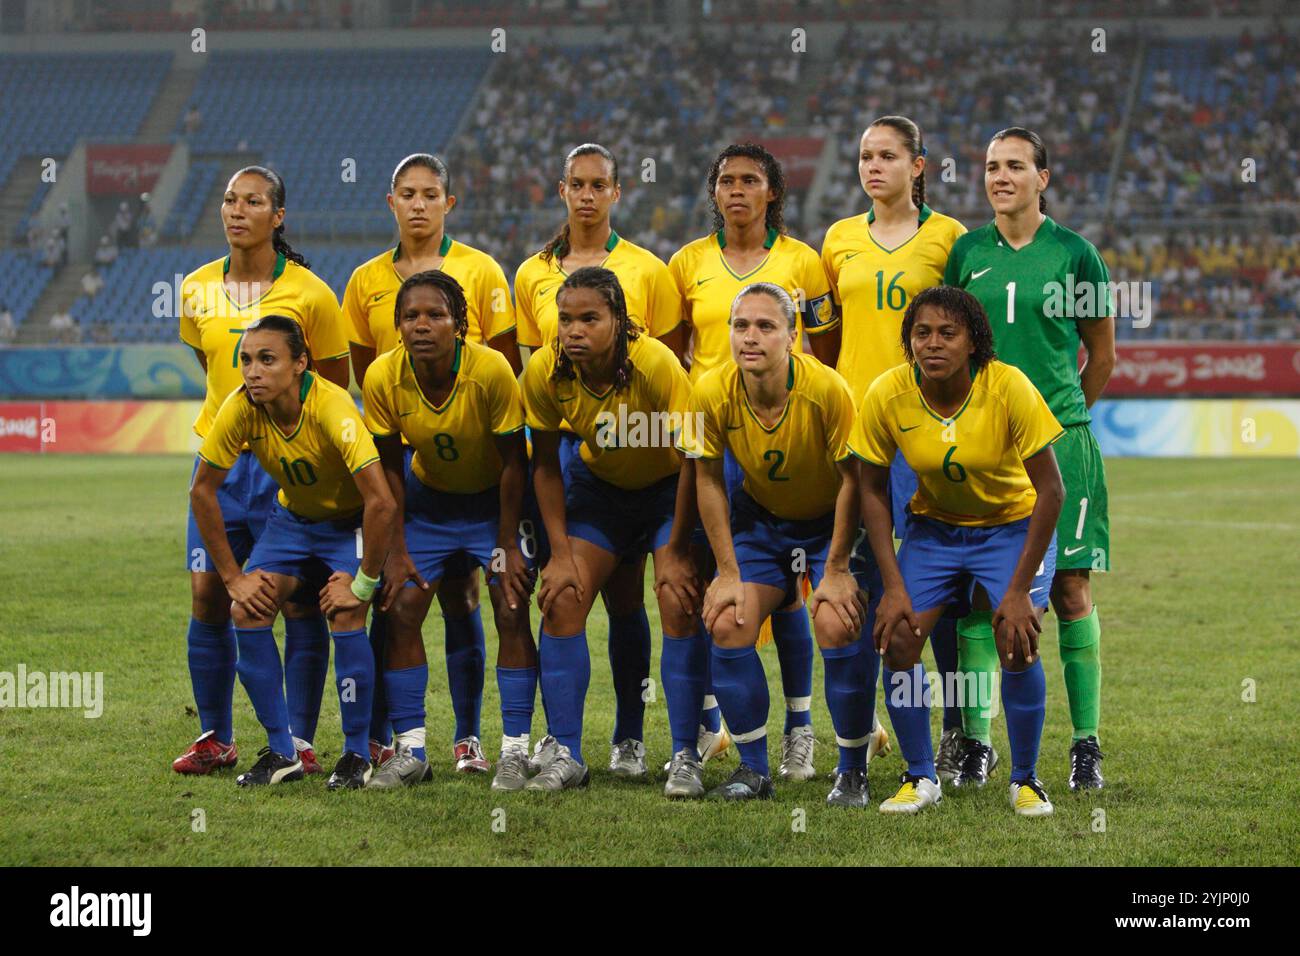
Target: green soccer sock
977, 664
1081, 659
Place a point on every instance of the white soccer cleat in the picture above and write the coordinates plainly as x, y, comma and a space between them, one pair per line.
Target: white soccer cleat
797, 754
1029, 799
913, 796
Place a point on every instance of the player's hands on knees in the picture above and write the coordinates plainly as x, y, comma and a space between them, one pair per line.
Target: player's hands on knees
1016, 626
337, 595
895, 607
839, 590
254, 592
726, 590
675, 579
515, 579
559, 575
398, 569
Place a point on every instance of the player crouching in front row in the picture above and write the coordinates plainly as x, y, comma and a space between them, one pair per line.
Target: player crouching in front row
786, 419
978, 435
333, 509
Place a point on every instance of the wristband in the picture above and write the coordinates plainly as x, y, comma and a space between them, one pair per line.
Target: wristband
363, 586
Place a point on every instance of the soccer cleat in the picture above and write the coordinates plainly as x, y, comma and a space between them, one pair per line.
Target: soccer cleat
977, 761
1030, 799
851, 790
685, 777
270, 768
310, 764
797, 754
543, 753
947, 762
469, 756
562, 773
206, 755
712, 745
1085, 774
878, 745
512, 770
744, 784
380, 754
352, 772
913, 796
400, 770
627, 758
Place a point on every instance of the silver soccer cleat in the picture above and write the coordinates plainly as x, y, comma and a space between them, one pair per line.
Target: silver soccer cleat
512, 770
627, 758
543, 754
685, 777
797, 754
403, 769
562, 773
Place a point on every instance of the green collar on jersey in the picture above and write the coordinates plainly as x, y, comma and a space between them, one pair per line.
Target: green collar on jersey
275, 274
610, 243
443, 248
307, 379
916, 373
768, 242
922, 217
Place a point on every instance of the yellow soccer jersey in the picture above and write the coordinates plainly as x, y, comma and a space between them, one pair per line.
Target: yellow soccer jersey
368, 301
629, 438
214, 323
873, 286
708, 287
790, 467
970, 467
314, 465
652, 300
455, 442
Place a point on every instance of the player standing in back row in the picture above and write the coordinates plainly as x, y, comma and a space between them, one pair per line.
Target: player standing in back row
1046, 289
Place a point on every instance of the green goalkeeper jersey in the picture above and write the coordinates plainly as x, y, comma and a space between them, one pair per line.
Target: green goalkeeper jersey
1033, 297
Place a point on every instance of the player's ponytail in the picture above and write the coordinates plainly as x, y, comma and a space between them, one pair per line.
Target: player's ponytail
913, 142
289, 329
557, 247
606, 283
1036, 144
278, 242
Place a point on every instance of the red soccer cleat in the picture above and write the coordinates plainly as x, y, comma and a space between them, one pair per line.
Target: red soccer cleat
206, 755
308, 758
469, 756
379, 753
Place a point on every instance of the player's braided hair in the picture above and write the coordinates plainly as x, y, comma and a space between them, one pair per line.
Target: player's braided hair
606, 283
557, 247
278, 242
961, 305
451, 290
772, 169
910, 134
1036, 142
291, 330
428, 161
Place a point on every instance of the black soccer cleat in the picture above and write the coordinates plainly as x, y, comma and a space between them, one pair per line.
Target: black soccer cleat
270, 768
352, 772
1085, 769
851, 790
744, 784
977, 762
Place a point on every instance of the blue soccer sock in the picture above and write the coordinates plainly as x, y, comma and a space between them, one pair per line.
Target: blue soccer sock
306, 663
263, 677
850, 690
682, 668
518, 689
943, 641
907, 698
741, 686
354, 676
794, 649
710, 712
405, 693
1024, 699
381, 728
629, 663
466, 656
565, 674
212, 656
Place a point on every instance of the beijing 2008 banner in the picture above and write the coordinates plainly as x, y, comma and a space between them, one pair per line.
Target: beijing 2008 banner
1169, 369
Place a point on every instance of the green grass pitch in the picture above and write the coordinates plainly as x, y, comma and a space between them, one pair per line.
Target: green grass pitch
1200, 611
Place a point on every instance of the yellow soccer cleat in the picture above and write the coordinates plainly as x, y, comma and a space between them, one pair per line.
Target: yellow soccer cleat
913, 796
878, 745
1029, 799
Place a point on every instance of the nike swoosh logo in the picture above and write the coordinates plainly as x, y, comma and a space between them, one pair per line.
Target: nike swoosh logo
378, 296
732, 428
569, 399
850, 255
1070, 551
699, 282
907, 428
543, 292
976, 275
1035, 590
404, 414
256, 438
